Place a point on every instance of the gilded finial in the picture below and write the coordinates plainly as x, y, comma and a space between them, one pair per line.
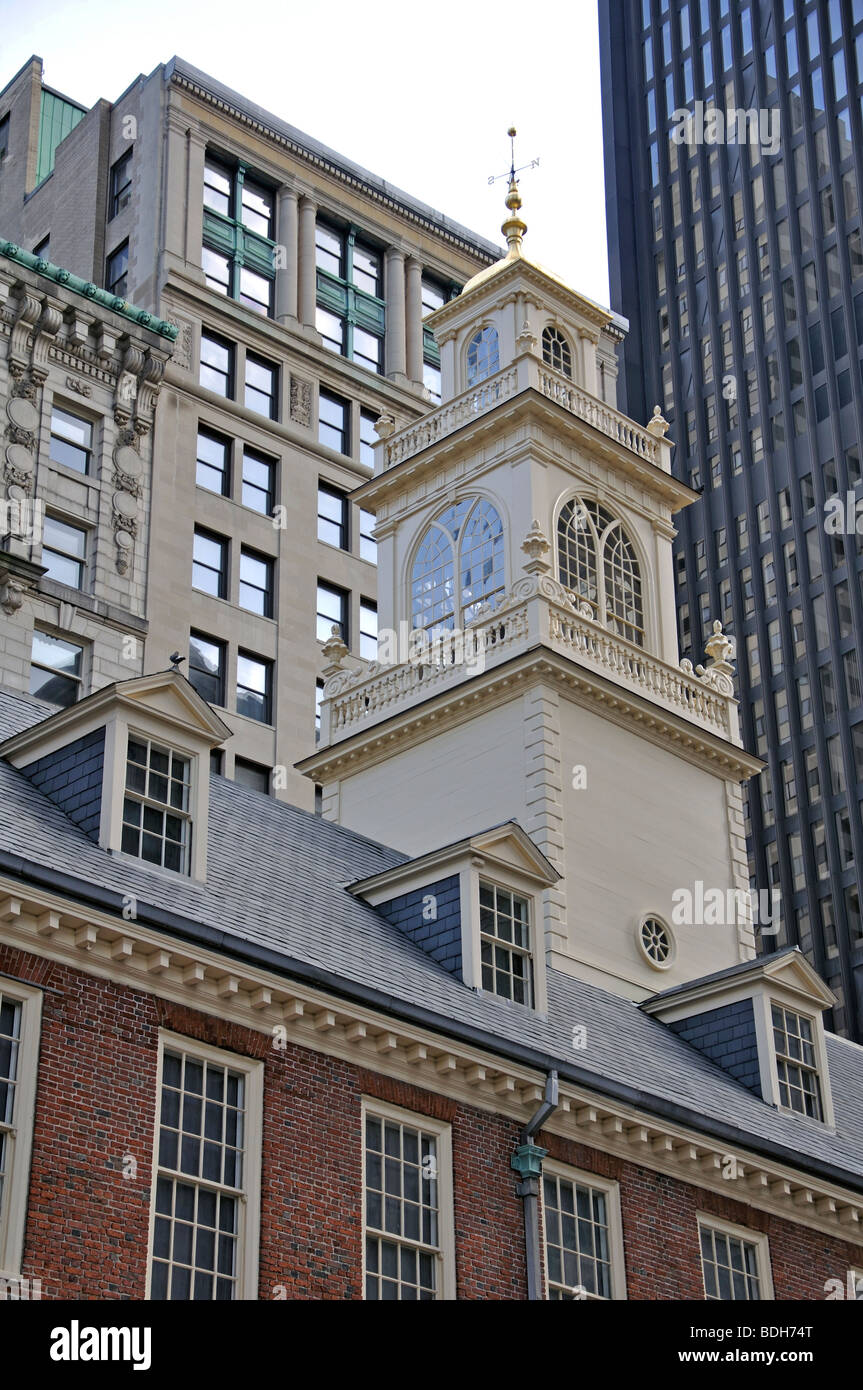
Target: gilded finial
513, 228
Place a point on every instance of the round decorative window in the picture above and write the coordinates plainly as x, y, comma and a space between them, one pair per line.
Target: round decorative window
656, 942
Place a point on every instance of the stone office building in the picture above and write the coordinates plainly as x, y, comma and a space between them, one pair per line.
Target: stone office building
485, 1063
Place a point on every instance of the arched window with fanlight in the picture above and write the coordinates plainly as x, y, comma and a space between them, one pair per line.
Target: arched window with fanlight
483, 355
459, 566
597, 563
556, 351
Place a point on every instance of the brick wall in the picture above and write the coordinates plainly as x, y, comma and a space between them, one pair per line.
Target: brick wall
87, 1224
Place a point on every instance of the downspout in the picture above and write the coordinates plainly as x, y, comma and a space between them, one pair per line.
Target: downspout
527, 1161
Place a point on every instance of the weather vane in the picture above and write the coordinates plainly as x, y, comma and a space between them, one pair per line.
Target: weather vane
512, 171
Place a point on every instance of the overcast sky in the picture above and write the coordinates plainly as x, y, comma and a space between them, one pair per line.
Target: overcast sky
421, 95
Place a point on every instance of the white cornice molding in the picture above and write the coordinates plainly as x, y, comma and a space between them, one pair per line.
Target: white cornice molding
139, 957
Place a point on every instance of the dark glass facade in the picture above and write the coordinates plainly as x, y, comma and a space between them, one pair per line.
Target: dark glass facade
736, 254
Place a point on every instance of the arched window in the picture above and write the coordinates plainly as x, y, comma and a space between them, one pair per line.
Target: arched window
459, 566
597, 563
556, 351
483, 355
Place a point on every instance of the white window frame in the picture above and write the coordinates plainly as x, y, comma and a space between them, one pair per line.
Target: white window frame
762, 1254
19, 1135
511, 881
250, 1203
117, 735
442, 1131
164, 808
763, 1008
611, 1191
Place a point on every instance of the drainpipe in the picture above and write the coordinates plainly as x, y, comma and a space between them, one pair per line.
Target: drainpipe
527, 1161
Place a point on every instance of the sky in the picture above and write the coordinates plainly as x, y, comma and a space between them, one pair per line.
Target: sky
421, 95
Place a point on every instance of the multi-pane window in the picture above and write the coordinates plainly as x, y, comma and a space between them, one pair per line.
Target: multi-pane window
64, 550
256, 583
368, 630
157, 824
332, 612
333, 419
213, 463
332, 516
71, 440
730, 1265
556, 351
368, 544
433, 298
205, 1208
20, 1007
55, 669
796, 1062
207, 667
351, 314
368, 437
121, 185
261, 386
466, 541
259, 482
577, 1238
217, 365
405, 1165
210, 564
504, 929
598, 563
117, 271
237, 255
255, 687
483, 355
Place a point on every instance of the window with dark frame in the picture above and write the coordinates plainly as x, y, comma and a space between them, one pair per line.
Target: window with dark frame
333, 422
368, 630
255, 776
71, 440
4, 137
319, 695
237, 255
368, 544
261, 386
117, 271
43, 249
332, 612
351, 313
332, 516
213, 463
254, 687
121, 185
259, 482
210, 563
434, 296
256, 583
207, 667
217, 365
368, 437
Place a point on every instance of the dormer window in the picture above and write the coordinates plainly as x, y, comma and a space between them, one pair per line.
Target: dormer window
157, 825
467, 541
504, 928
483, 355
597, 563
556, 351
796, 1063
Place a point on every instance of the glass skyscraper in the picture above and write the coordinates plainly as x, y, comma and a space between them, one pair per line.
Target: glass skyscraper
733, 175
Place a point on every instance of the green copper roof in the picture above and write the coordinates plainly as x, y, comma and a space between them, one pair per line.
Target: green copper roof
90, 291
57, 117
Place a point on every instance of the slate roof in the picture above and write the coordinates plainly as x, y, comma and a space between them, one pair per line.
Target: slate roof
277, 884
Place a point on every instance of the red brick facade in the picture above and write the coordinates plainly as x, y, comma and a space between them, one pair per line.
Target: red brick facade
87, 1224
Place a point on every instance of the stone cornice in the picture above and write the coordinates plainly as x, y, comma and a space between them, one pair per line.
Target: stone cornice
137, 956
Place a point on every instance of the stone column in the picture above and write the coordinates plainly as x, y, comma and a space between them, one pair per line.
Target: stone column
588, 363
414, 319
308, 290
394, 292
287, 265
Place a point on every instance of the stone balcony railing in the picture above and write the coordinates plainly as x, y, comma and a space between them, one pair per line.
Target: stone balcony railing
538, 612
526, 372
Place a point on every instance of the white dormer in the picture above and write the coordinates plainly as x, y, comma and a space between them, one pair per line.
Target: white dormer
130, 766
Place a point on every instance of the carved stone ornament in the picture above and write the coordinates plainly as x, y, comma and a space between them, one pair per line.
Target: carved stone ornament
12, 593
385, 427
537, 585
19, 466
83, 388
301, 401
124, 541
335, 652
127, 470
719, 673
536, 547
658, 425
23, 414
